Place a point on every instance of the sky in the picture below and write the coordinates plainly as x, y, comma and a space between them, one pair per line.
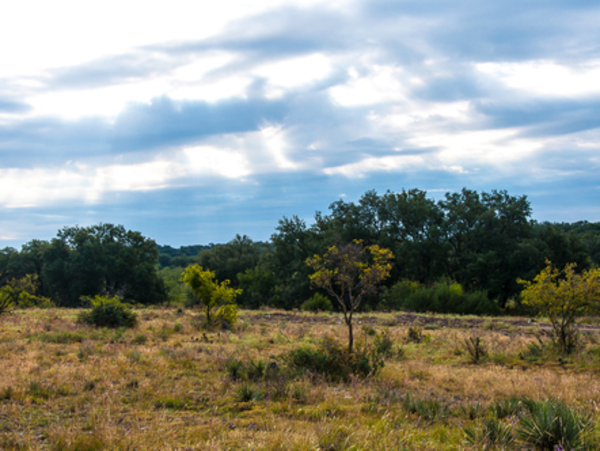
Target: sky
193, 123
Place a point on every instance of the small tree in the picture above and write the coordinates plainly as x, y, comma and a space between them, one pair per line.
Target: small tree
350, 272
211, 294
562, 296
5, 303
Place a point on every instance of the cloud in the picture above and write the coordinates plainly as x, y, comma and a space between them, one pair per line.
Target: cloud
256, 111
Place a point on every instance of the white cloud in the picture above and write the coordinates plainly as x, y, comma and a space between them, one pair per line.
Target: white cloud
381, 84
293, 72
547, 78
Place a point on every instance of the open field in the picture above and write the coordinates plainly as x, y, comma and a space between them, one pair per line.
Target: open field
169, 385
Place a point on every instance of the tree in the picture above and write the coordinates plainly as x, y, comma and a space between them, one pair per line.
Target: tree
102, 259
349, 273
562, 296
211, 294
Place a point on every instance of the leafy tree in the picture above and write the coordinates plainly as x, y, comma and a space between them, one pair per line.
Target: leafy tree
562, 296
230, 259
211, 294
102, 259
349, 273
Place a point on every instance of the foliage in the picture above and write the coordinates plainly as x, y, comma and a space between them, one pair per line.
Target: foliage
562, 296
175, 289
443, 296
317, 303
230, 259
349, 273
551, 424
101, 259
491, 434
5, 303
428, 409
211, 295
22, 292
108, 312
333, 362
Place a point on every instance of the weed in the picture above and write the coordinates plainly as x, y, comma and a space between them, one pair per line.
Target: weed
170, 403
551, 424
139, 339
415, 335
335, 439
534, 351
474, 346
511, 406
428, 409
7, 393
472, 411
235, 369
64, 337
492, 434
247, 392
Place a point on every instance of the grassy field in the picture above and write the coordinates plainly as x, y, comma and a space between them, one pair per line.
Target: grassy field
170, 385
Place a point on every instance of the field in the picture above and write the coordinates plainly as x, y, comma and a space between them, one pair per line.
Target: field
168, 384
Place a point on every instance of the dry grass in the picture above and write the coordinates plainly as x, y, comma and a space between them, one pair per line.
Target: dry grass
164, 384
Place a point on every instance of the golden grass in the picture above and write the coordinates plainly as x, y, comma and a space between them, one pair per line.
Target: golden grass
164, 386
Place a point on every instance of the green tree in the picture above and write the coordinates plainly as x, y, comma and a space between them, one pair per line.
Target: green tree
230, 259
562, 296
349, 273
211, 294
102, 259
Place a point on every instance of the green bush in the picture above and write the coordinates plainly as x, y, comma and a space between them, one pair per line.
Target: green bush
317, 303
442, 297
334, 362
108, 312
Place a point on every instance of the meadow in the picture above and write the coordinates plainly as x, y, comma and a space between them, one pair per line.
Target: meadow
447, 383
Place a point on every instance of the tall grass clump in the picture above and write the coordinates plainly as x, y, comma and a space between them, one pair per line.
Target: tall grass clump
108, 312
552, 425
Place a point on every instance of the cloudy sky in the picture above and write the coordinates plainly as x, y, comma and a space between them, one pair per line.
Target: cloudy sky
192, 123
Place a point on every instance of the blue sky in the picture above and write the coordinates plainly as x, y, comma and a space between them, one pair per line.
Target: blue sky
193, 123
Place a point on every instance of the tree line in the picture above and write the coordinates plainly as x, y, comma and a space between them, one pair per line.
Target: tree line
463, 253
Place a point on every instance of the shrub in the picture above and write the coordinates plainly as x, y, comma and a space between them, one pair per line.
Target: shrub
5, 303
551, 424
247, 392
334, 362
475, 348
108, 312
444, 296
317, 303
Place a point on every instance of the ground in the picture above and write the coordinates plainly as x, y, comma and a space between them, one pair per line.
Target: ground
167, 384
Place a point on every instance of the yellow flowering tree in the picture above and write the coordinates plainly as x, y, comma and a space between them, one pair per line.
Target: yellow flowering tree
349, 273
562, 296
212, 295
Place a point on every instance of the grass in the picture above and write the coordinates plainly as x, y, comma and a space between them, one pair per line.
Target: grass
168, 385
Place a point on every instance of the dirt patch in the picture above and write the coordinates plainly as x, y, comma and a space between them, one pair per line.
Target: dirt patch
410, 319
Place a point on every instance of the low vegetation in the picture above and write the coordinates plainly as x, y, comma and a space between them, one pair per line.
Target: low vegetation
280, 380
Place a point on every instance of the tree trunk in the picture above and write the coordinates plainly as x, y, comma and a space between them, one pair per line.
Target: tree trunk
350, 336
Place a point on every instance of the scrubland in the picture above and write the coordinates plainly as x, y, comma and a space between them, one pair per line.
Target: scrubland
169, 384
